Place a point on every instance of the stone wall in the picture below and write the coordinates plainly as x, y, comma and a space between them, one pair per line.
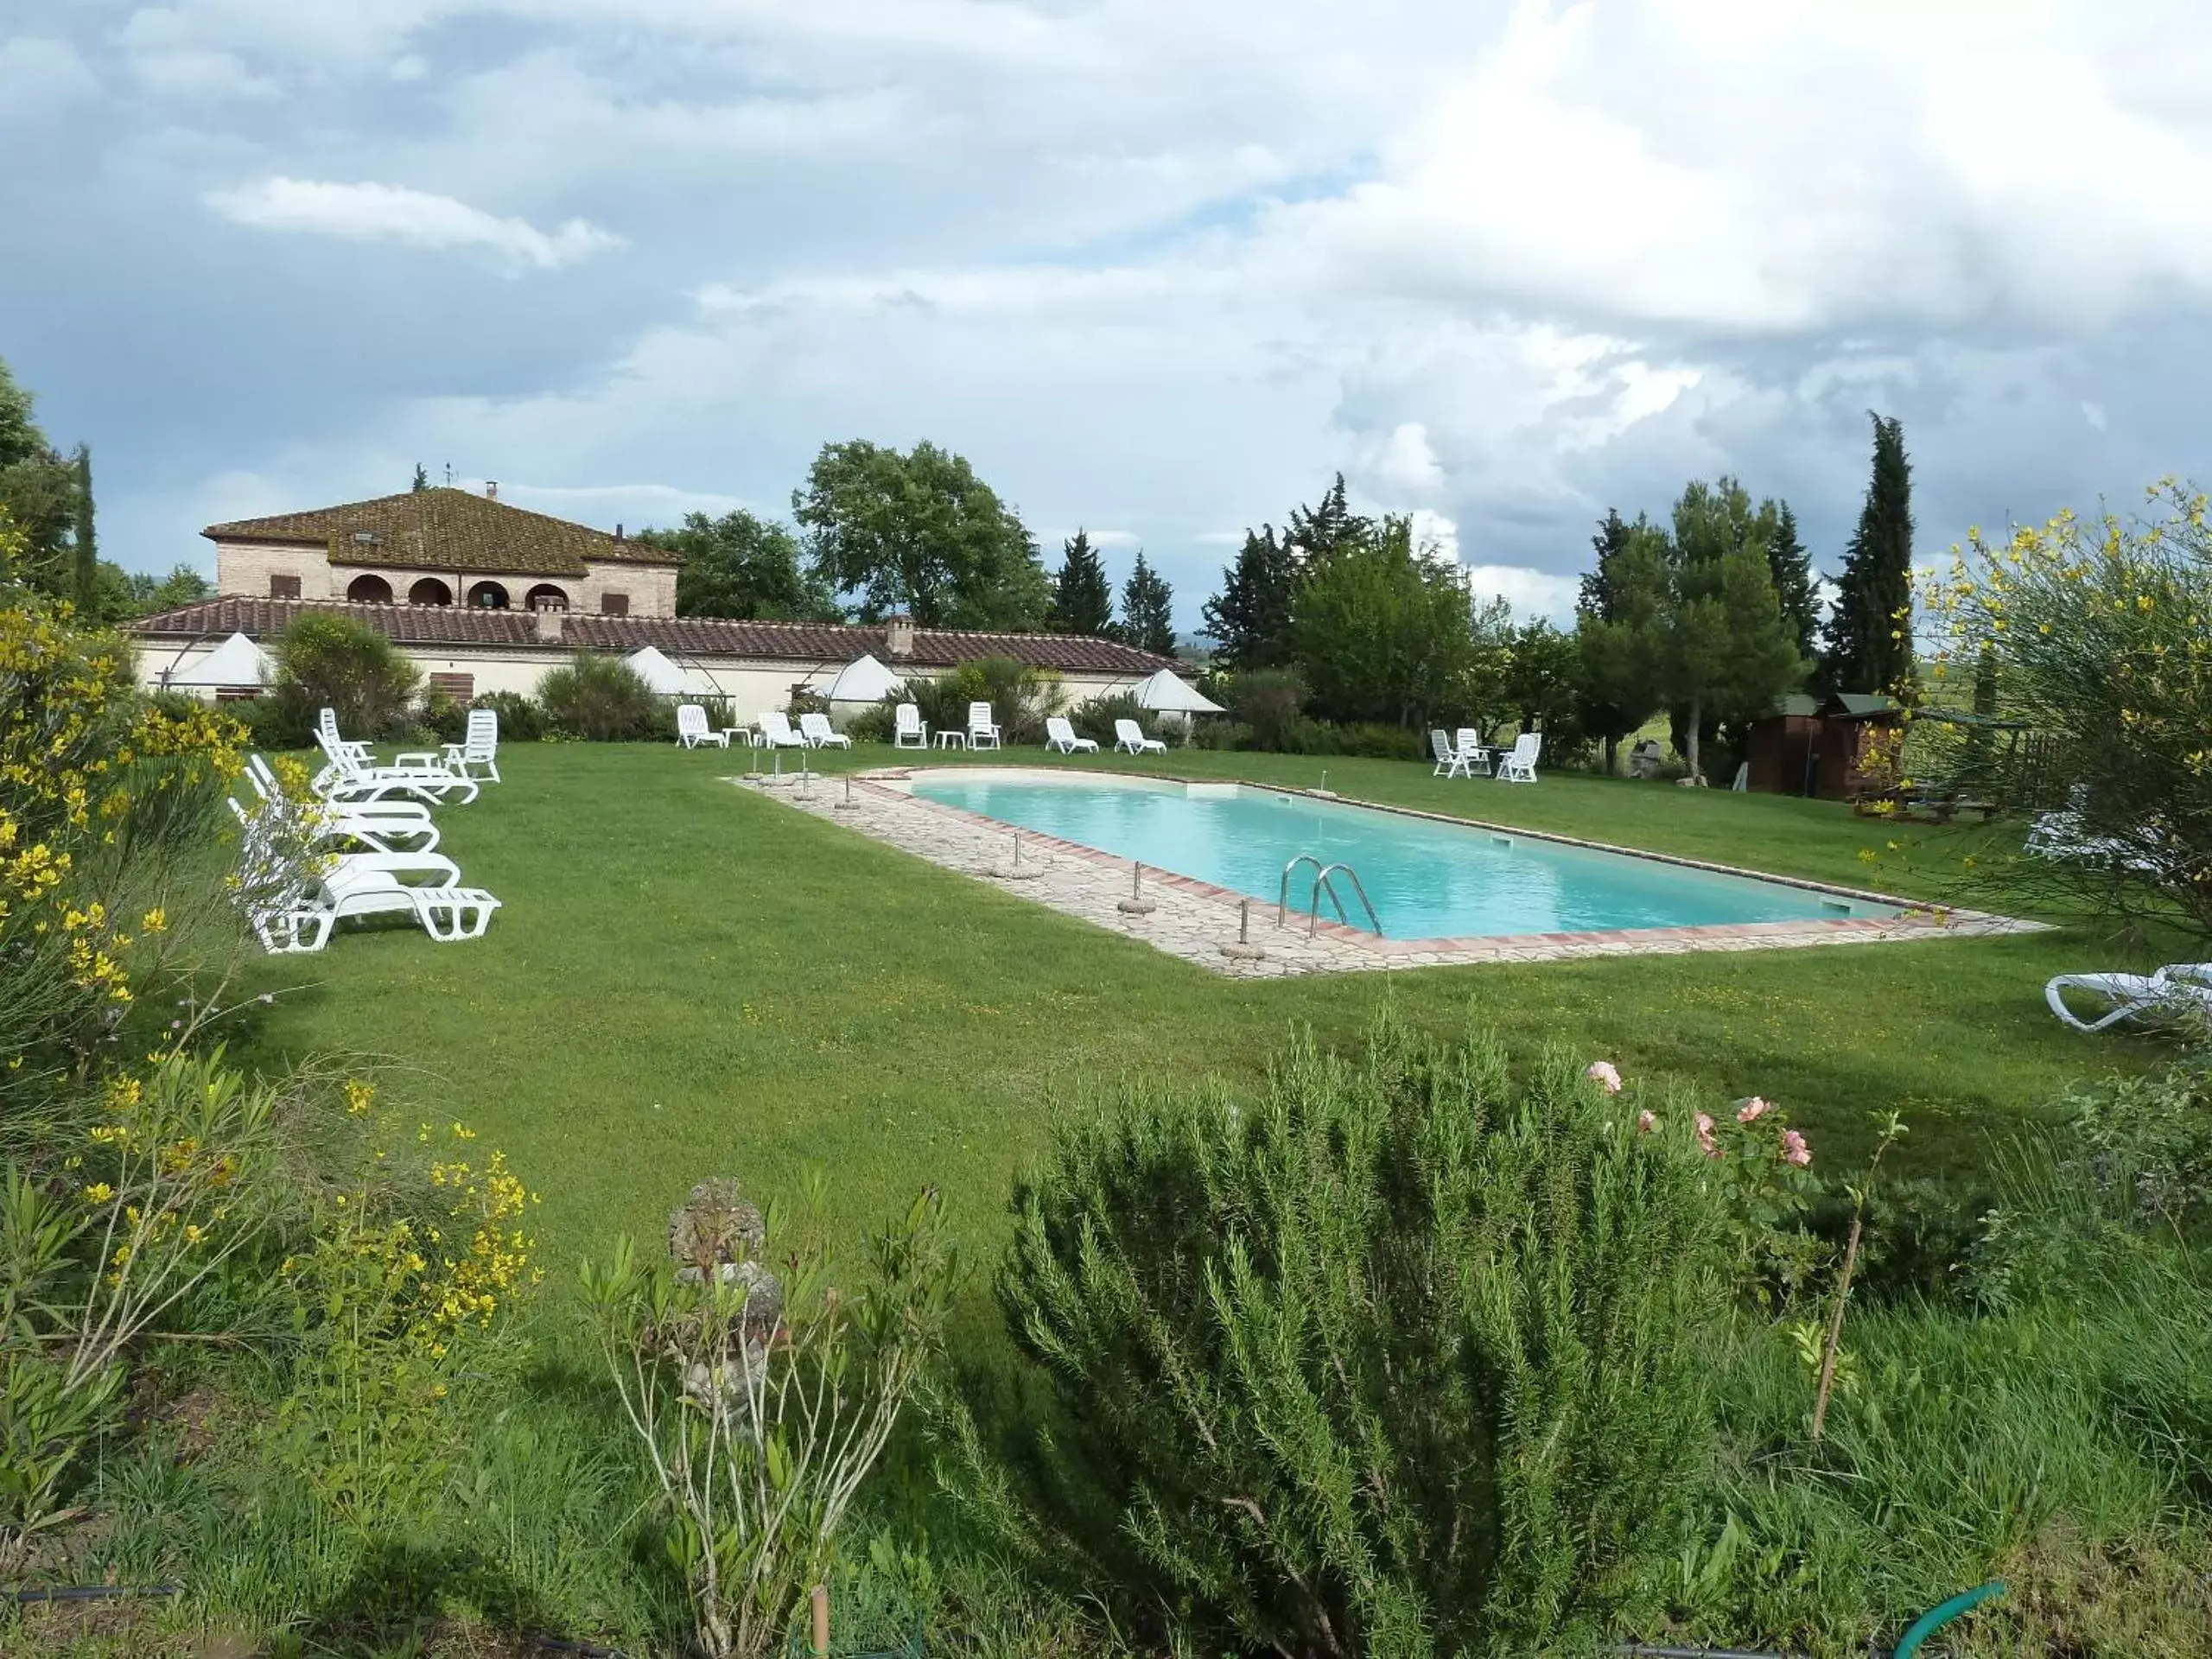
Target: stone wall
245, 567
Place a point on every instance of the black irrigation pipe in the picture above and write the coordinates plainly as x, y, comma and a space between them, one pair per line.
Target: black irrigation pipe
92, 1592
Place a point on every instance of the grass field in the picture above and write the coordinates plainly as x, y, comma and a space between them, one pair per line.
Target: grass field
690, 979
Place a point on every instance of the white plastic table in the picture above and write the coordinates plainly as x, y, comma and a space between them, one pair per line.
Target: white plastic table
952, 739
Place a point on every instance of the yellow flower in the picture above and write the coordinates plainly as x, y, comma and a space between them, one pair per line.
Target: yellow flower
358, 1098
99, 1193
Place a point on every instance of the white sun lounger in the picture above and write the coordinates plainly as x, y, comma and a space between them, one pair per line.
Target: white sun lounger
776, 731
345, 779
382, 826
2180, 990
692, 730
817, 730
1129, 735
1059, 736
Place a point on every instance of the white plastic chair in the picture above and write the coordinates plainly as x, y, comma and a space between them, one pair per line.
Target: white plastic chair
907, 724
2180, 990
480, 745
983, 730
692, 730
1470, 743
1450, 762
817, 731
1129, 735
1518, 766
776, 731
1060, 735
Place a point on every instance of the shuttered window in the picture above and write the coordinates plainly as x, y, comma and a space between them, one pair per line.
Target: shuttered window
461, 688
614, 604
283, 587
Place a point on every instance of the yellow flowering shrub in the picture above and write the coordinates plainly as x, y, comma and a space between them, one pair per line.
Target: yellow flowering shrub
2096, 635
90, 776
400, 1301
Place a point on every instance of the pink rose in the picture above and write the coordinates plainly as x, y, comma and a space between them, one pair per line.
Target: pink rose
1794, 1149
1752, 1110
1606, 1075
1645, 1122
1705, 1136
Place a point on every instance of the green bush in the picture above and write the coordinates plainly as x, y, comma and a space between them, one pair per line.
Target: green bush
521, 719
1268, 701
1095, 720
600, 699
275, 724
1399, 1357
876, 723
1020, 697
333, 662
442, 716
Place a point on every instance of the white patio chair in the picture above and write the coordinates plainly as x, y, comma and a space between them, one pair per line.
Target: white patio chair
907, 724
1470, 744
776, 731
983, 729
479, 746
692, 730
345, 779
382, 826
1060, 735
1450, 761
819, 734
1129, 735
2180, 990
1518, 766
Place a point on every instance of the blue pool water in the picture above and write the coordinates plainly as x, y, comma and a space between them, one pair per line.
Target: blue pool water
1427, 879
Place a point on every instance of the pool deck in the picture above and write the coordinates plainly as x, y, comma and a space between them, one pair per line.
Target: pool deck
1198, 921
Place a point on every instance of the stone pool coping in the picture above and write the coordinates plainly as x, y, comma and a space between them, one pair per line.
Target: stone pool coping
1198, 920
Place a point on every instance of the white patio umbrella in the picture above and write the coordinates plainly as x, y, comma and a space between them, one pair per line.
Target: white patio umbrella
660, 674
237, 662
862, 680
1165, 694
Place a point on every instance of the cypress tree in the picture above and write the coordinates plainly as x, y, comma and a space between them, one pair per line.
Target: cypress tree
87, 548
1869, 632
1792, 567
1148, 610
422, 478
1083, 599
1598, 598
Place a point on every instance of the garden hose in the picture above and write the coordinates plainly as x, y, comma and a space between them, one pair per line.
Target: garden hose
1935, 1618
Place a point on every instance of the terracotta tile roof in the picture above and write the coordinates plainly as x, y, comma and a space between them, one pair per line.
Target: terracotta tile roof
822, 643
442, 528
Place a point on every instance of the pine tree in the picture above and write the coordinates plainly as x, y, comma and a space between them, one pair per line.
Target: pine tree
1249, 618
1792, 569
1317, 532
1599, 597
1083, 599
422, 478
1870, 631
87, 548
1148, 610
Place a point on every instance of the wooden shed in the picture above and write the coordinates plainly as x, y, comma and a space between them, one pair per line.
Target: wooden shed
1816, 745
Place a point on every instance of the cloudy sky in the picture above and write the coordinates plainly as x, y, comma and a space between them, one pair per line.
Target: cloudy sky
1158, 267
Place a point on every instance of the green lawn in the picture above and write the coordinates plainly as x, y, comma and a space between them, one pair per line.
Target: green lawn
690, 979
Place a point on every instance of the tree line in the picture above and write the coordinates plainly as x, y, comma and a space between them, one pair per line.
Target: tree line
883, 532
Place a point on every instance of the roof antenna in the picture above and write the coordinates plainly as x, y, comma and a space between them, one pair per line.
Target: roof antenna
448, 474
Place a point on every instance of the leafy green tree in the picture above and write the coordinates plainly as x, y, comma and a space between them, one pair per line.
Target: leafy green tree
39, 488
1725, 651
740, 565
1543, 675
1792, 569
1249, 619
1617, 629
1148, 610
1083, 599
1380, 632
918, 532
1869, 645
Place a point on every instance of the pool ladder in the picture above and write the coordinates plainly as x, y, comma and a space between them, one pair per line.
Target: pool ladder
1324, 881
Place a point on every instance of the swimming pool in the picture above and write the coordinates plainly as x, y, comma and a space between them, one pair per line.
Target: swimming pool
1426, 879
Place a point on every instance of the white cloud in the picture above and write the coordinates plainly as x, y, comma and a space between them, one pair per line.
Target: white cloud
390, 213
1530, 593
38, 75
2093, 414
1436, 535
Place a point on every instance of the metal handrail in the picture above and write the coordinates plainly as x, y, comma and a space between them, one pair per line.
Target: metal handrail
1322, 882
1282, 896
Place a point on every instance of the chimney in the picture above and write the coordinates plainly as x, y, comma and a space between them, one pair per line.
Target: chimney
550, 626
618, 529
898, 639
491, 489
